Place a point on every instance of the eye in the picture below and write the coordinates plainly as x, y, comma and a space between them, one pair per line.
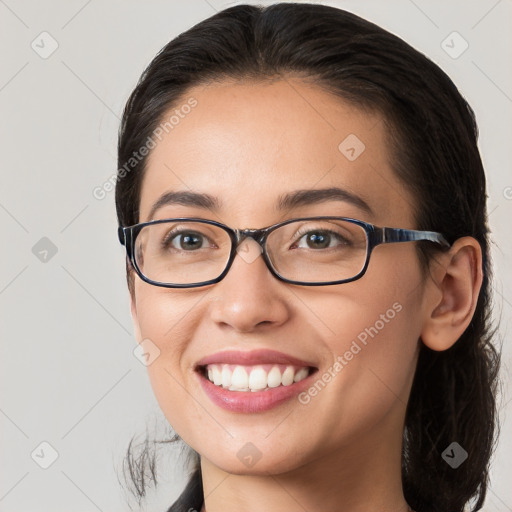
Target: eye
182, 239
321, 239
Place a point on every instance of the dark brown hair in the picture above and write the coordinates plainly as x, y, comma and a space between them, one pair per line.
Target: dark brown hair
433, 137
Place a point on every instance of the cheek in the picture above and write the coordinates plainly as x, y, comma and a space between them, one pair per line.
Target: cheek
375, 325
378, 332
385, 304
373, 346
168, 319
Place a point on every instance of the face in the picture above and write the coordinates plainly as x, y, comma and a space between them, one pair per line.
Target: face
248, 145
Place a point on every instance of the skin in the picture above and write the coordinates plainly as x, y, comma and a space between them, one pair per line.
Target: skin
247, 144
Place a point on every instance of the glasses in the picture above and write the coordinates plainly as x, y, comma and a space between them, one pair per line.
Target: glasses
311, 251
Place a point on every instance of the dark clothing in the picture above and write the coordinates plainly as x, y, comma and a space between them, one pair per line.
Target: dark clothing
191, 499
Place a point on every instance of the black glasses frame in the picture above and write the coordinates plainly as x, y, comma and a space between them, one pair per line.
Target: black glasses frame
375, 236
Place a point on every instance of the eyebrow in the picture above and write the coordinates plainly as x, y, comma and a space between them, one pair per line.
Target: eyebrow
287, 201
313, 196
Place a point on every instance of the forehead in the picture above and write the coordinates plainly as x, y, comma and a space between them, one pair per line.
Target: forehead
250, 143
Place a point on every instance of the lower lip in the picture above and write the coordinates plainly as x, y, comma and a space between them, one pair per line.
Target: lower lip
251, 401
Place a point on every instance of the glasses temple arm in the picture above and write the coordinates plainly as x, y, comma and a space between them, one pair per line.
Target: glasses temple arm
390, 235
121, 235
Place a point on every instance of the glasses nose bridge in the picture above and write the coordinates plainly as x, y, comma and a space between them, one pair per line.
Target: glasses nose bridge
257, 235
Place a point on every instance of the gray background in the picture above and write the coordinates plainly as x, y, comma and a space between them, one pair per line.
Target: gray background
68, 374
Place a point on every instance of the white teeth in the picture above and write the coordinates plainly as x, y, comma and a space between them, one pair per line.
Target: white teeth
287, 377
274, 377
217, 376
226, 376
249, 378
301, 374
258, 379
239, 378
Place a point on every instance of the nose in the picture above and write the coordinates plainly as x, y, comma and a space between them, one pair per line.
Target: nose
249, 295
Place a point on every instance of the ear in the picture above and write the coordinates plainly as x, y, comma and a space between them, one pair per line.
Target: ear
452, 293
135, 319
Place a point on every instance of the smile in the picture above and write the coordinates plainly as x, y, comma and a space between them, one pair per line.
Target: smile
252, 381
254, 378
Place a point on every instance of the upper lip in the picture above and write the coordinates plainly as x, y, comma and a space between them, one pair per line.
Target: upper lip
253, 357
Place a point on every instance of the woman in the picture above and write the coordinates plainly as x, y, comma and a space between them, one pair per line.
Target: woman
349, 367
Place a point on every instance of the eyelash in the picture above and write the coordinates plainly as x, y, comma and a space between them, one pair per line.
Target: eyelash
302, 231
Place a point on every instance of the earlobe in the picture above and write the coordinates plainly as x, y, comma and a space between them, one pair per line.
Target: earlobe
452, 294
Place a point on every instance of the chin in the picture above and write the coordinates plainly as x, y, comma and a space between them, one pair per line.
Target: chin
249, 461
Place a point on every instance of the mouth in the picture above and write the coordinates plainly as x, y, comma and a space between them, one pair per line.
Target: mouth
262, 377
253, 381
